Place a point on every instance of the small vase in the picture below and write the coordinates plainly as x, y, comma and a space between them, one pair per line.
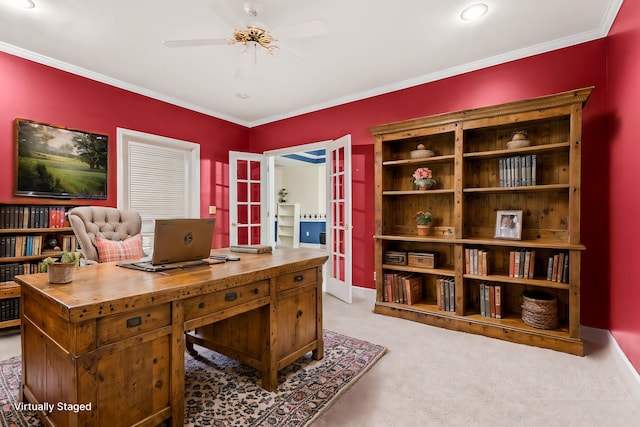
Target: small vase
60, 272
423, 230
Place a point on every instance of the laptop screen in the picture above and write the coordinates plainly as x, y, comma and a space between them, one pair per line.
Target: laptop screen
182, 239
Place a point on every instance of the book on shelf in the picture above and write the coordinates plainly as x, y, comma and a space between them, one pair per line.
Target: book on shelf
413, 288
517, 171
565, 275
554, 269
492, 299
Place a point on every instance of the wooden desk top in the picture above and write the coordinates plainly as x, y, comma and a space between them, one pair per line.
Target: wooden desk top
98, 290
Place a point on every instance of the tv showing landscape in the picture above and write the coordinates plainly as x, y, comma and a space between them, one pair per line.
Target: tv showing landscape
57, 162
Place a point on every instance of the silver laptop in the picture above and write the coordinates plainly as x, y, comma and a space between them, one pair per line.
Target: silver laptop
178, 243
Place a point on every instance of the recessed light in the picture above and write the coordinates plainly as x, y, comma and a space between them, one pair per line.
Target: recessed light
242, 95
21, 4
474, 12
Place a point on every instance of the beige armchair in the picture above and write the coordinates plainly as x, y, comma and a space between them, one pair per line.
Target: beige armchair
107, 234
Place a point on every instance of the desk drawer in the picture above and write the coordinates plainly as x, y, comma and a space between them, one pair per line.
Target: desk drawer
120, 326
206, 304
297, 279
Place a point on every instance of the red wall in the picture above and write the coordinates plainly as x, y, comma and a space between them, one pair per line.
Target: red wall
41, 93
557, 71
623, 201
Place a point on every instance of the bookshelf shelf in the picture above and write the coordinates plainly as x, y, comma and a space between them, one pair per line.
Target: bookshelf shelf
471, 165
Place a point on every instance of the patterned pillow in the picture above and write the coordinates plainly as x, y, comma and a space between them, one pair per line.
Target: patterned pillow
110, 250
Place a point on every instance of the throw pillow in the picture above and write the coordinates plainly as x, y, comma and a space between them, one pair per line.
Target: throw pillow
110, 250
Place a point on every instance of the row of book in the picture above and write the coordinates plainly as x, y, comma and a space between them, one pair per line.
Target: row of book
476, 261
9, 271
17, 246
403, 288
522, 263
491, 300
446, 298
9, 309
517, 171
32, 216
558, 268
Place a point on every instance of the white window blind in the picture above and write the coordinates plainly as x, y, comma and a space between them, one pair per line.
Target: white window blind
158, 179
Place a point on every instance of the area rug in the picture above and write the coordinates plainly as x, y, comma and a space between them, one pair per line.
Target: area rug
220, 391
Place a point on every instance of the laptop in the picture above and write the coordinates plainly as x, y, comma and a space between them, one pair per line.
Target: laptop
178, 243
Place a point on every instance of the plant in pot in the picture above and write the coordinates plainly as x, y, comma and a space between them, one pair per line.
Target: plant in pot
60, 271
423, 178
423, 223
282, 194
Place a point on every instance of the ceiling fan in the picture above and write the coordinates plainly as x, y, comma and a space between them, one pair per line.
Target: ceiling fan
256, 34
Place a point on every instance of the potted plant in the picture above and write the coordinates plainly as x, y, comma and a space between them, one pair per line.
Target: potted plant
283, 195
423, 178
423, 221
60, 271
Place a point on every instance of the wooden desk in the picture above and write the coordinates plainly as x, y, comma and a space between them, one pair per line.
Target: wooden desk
114, 338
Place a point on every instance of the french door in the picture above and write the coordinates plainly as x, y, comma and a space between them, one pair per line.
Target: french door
339, 225
252, 206
248, 205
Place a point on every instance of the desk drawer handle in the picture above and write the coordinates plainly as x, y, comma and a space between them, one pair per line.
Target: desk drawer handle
231, 296
298, 314
256, 291
298, 278
134, 321
201, 305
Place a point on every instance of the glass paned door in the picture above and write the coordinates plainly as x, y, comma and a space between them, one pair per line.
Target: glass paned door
247, 193
339, 225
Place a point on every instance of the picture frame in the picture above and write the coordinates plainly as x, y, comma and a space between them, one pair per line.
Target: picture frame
508, 224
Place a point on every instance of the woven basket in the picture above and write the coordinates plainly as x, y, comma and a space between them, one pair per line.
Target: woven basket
539, 310
60, 272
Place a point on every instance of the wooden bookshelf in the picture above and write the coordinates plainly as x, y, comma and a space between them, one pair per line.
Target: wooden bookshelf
24, 228
470, 146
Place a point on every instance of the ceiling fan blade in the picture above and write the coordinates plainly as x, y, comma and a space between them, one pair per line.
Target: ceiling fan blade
194, 42
302, 30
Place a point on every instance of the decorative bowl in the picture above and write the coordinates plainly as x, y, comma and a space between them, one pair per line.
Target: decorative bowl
518, 143
421, 154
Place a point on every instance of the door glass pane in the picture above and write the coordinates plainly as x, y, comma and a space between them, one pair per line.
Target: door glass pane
255, 192
242, 192
242, 170
255, 170
255, 234
243, 214
255, 214
243, 235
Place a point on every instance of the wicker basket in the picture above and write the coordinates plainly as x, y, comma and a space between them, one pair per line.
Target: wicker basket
539, 310
60, 272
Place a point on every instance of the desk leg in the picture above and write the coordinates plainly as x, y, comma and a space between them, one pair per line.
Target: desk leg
177, 364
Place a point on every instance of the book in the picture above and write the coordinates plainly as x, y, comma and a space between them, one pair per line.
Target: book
532, 263
560, 266
413, 288
498, 301
483, 311
251, 249
554, 270
492, 301
565, 273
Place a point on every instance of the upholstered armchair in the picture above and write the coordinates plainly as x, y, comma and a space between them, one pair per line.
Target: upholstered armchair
107, 234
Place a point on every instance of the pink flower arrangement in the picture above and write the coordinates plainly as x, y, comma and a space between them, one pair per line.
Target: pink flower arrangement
423, 173
423, 177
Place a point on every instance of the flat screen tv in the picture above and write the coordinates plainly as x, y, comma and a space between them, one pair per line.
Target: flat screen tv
57, 162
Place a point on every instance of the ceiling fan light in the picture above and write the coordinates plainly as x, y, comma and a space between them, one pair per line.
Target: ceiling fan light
473, 12
21, 4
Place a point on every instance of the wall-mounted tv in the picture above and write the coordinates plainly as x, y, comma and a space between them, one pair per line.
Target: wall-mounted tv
57, 162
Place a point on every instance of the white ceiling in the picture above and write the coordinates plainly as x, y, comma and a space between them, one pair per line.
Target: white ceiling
372, 46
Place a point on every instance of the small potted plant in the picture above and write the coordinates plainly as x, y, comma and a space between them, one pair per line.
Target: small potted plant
282, 195
60, 271
423, 178
423, 222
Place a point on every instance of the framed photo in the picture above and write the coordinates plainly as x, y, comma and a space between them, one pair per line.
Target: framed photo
509, 225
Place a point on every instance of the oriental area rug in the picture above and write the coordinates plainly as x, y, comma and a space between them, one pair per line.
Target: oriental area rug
220, 391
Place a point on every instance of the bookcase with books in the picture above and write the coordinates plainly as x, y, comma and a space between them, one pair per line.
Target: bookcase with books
480, 280
27, 234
